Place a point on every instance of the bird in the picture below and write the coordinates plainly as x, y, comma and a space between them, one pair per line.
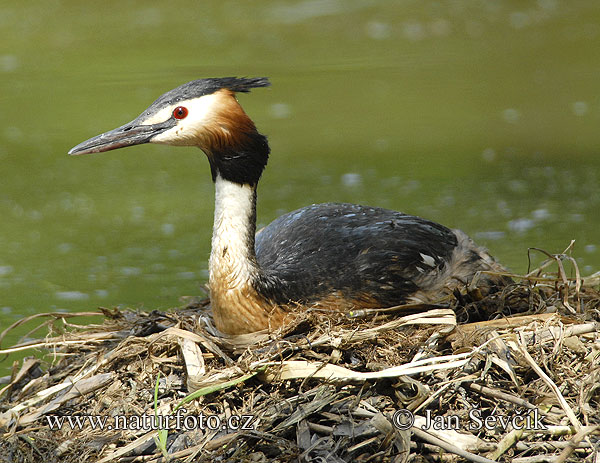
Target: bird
330, 256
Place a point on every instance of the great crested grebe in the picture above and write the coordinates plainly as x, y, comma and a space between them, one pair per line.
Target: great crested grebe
331, 255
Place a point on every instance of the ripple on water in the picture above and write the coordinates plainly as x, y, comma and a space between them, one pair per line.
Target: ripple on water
351, 179
511, 115
9, 63
130, 271
65, 248
488, 154
5, 270
377, 30
542, 214
280, 110
490, 235
186, 275
71, 295
167, 229
158, 267
521, 225
580, 108
137, 213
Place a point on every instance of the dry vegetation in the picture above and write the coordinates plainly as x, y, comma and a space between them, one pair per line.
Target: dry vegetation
330, 388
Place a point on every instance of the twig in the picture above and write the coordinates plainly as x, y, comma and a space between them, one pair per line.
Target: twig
413, 307
574, 442
55, 315
547, 262
432, 397
535, 459
506, 443
549, 446
449, 447
577, 283
565, 406
502, 395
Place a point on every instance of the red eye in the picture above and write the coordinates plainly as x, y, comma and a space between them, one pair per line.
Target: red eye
180, 112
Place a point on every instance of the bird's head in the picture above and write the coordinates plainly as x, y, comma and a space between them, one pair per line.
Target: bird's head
203, 113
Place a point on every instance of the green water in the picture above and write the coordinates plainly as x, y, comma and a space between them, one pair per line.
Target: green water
482, 115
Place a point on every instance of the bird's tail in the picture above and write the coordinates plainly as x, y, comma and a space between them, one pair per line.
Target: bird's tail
474, 265
470, 266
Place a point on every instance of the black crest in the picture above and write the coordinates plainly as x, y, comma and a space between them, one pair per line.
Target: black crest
201, 87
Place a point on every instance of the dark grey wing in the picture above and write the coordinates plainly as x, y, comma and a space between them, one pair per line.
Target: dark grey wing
351, 249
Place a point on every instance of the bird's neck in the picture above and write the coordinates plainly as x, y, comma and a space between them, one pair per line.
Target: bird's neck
232, 258
238, 304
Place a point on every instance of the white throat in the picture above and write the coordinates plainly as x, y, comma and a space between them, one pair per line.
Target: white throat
232, 260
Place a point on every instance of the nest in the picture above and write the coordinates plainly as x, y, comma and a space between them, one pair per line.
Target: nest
518, 379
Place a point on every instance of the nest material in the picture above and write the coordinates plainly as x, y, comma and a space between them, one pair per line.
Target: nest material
522, 385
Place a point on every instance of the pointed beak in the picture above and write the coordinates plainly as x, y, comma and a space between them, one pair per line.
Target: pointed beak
129, 134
